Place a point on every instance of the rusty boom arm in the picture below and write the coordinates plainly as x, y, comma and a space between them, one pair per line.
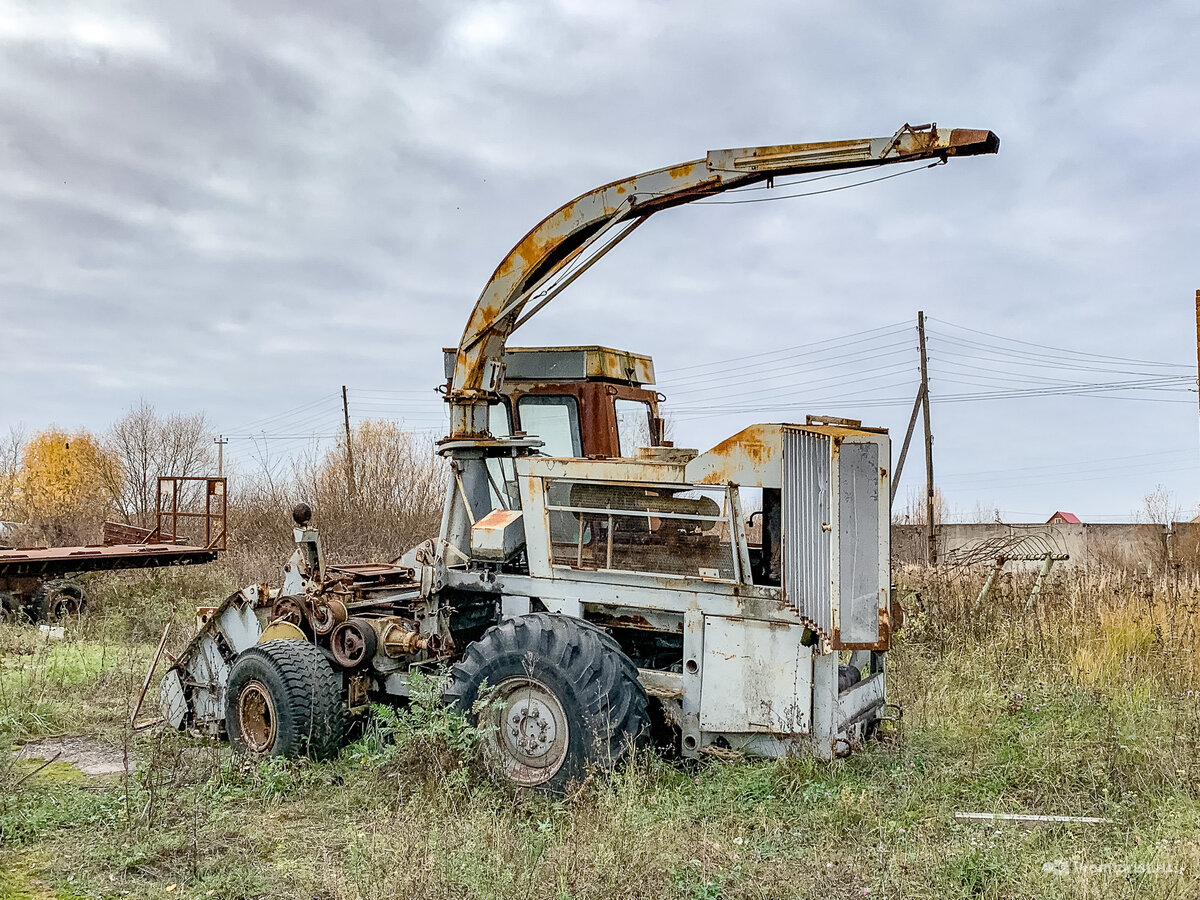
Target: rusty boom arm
564, 244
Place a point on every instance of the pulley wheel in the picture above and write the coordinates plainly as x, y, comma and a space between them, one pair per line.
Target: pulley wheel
328, 615
353, 643
292, 610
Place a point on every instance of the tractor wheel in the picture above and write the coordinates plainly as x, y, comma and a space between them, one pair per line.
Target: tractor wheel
67, 602
562, 698
283, 698
55, 601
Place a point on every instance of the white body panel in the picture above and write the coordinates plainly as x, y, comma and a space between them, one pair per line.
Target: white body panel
757, 678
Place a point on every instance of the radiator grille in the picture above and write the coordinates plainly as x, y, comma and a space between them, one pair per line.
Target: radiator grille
806, 545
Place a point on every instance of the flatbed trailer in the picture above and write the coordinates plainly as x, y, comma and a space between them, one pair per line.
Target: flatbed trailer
37, 582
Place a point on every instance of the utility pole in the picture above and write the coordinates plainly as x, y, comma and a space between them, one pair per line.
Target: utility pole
220, 440
1198, 337
351, 480
929, 523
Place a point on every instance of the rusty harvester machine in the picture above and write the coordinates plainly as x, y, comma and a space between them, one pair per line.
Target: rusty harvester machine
599, 580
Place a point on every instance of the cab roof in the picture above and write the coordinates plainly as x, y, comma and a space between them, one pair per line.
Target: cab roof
586, 363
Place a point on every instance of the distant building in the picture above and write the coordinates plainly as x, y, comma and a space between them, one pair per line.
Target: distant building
1063, 518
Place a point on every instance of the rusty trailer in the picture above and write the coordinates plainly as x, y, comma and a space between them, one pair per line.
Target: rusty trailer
42, 582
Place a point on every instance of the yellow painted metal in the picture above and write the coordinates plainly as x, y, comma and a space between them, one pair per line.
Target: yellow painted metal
282, 631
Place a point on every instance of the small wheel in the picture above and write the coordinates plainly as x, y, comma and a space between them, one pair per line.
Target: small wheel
566, 699
291, 610
258, 723
353, 643
283, 698
327, 615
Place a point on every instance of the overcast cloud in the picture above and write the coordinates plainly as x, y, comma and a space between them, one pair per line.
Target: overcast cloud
237, 208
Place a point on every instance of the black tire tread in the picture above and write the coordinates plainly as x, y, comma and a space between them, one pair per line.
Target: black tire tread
613, 702
313, 693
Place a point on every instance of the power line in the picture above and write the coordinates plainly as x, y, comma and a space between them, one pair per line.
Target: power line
1062, 349
788, 368
253, 423
807, 348
839, 378
1005, 354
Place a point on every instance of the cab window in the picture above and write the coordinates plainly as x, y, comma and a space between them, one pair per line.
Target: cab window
554, 420
499, 425
502, 470
633, 425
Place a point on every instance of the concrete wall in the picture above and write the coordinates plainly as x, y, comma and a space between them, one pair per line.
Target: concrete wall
1130, 546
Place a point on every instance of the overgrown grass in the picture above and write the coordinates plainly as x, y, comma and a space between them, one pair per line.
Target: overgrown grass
1084, 705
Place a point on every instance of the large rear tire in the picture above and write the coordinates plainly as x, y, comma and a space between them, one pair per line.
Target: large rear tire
566, 699
283, 698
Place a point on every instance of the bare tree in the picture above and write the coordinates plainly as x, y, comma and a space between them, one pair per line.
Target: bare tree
913, 511
398, 498
1160, 507
11, 449
143, 446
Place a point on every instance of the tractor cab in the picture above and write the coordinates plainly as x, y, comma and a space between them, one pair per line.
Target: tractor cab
591, 402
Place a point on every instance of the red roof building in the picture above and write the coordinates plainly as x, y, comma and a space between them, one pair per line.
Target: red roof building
1063, 518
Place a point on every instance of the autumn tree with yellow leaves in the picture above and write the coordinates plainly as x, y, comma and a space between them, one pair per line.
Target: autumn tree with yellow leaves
57, 489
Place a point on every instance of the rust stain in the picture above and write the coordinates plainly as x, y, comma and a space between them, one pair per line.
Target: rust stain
632, 621
755, 450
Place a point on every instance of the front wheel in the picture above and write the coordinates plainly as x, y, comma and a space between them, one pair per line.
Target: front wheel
283, 698
564, 699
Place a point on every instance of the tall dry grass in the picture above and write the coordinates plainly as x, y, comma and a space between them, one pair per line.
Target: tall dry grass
1099, 626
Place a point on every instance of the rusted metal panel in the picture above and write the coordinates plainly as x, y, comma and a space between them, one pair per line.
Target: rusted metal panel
858, 596
100, 558
751, 458
754, 456
498, 535
757, 678
119, 533
862, 557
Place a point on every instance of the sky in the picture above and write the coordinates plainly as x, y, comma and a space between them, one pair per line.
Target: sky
237, 208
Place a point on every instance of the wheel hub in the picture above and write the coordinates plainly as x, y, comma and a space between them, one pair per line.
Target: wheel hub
531, 728
256, 717
531, 731
66, 606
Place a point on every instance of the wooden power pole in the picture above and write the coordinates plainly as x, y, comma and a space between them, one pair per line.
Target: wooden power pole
351, 480
930, 527
1198, 338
